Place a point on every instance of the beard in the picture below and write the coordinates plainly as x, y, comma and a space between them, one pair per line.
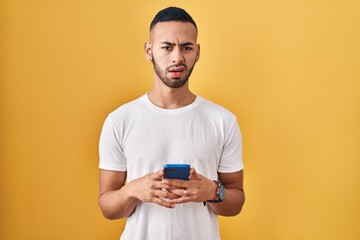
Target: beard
172, 82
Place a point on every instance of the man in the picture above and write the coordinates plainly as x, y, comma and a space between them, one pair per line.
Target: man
170, 125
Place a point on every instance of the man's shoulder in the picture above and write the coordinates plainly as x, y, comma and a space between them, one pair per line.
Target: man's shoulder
129, 108
215, 108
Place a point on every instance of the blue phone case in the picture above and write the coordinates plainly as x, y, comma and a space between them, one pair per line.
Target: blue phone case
177, 171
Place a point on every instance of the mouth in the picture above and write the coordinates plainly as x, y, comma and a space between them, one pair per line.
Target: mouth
177, 72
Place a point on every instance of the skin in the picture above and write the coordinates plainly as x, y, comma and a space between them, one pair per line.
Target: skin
172, 45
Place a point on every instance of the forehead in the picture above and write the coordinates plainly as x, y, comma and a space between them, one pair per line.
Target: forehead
173, 32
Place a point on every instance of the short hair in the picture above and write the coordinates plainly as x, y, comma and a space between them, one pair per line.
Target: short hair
172, 14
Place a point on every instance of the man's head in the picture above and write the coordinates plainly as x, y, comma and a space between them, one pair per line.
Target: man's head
173, 49
172, 14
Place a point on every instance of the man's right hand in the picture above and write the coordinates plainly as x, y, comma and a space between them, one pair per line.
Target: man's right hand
117, 200
150, 188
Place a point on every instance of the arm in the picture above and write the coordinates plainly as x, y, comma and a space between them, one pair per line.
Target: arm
117, 200
113, 200
200, 189
234, 196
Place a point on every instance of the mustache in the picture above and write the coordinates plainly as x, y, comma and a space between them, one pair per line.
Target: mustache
176, 65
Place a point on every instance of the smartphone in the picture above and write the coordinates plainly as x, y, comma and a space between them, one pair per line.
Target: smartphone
177, 171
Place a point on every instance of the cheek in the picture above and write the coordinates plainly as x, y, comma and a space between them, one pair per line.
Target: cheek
161, 65
161, 60
190, 61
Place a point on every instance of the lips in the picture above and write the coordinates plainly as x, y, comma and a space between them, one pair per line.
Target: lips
176, 72
177, 69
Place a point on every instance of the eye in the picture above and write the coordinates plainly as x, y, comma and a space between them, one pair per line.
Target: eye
167, 48
188, 48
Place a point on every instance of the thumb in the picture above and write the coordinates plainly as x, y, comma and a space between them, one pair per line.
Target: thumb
193, 173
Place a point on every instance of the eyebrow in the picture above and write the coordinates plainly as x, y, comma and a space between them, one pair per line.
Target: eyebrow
174, 44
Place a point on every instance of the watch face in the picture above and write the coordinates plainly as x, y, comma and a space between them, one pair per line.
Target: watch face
221, 192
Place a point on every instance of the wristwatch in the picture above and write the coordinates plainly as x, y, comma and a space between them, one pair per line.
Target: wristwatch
220, 191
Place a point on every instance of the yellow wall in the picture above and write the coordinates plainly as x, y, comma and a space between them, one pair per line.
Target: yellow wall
290, 71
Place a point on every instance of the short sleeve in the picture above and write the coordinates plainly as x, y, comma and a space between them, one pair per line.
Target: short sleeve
231, 157
110, 150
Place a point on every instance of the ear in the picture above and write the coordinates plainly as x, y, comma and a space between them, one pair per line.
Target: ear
198, 52
147, 51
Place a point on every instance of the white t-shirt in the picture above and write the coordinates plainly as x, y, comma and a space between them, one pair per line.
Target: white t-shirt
140, 138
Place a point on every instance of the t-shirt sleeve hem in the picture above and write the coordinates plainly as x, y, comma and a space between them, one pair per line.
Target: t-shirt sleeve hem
231, 170
112, 167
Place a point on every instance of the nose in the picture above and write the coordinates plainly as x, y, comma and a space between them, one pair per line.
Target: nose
177, 55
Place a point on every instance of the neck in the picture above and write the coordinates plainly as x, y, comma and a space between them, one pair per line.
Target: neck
171, 98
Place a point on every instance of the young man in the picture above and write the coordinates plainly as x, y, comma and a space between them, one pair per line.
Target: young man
170, 125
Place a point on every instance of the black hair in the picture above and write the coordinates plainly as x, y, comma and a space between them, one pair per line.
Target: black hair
172, 14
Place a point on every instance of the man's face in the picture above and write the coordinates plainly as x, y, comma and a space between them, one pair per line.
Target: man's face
173, 51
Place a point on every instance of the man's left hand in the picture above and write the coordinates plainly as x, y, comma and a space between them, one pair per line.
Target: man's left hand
197, 189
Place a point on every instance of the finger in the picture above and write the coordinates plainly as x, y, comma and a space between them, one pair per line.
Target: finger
169, 188
192, 173
165, 194
179, 192
163, 203
182, 200
172, 196
161, 185
156, 175
176, 183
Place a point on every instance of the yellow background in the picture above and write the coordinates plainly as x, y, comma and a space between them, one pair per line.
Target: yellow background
289, 70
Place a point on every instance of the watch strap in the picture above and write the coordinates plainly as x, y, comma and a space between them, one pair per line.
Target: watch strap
219, 193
